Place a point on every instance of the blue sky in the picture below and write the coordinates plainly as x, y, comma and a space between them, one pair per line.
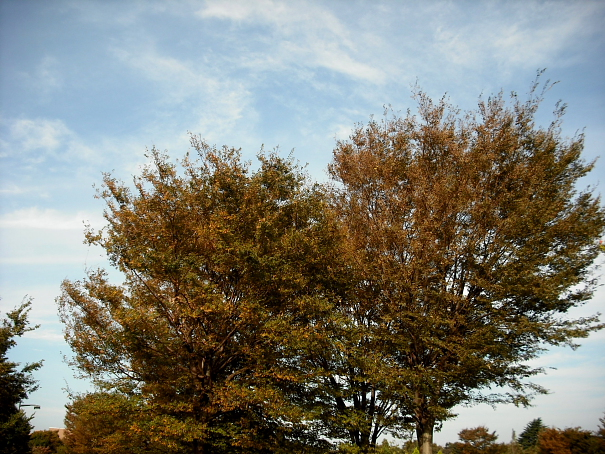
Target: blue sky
87, 86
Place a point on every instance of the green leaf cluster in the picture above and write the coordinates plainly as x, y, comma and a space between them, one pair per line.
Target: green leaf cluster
15, 383
46, 442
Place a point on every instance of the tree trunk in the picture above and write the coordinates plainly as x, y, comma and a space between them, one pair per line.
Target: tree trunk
364, 442
424, 434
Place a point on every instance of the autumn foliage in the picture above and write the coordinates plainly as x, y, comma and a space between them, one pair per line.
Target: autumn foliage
570, 441
263, 313
470, 243
477, 440
227, 275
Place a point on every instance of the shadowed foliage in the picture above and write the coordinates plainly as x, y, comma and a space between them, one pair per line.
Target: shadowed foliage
15, 383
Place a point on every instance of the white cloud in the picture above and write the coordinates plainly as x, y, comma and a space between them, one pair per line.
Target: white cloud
160, 68
47, 335
13, 189
514, 35
33, 237
215, 103
39, 134
238, 11
288, 17
395, 40
47, 219
45, 79
301, 34
37, 140
341, 131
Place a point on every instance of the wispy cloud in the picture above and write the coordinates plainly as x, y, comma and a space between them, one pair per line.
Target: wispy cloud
515, 35
213, 102
302, 34
38, 237
46, 334
46, 78
47, 219
41, 134
508, 35
36, 140
13, 189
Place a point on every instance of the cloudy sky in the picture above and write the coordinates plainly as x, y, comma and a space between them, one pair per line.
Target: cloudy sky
87, 86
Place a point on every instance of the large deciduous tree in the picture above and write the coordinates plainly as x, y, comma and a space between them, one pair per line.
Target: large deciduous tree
227, 274
15, 383
471, 243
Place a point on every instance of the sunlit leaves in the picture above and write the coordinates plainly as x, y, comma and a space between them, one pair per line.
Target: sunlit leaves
226, 270
471, 242
260, 312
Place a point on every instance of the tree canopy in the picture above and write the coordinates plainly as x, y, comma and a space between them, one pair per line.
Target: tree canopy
227, 276
262, 313
472, 242
15, 383
478, 440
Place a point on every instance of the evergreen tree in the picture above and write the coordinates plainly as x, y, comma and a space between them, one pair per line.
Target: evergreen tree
529, 436
15, 384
